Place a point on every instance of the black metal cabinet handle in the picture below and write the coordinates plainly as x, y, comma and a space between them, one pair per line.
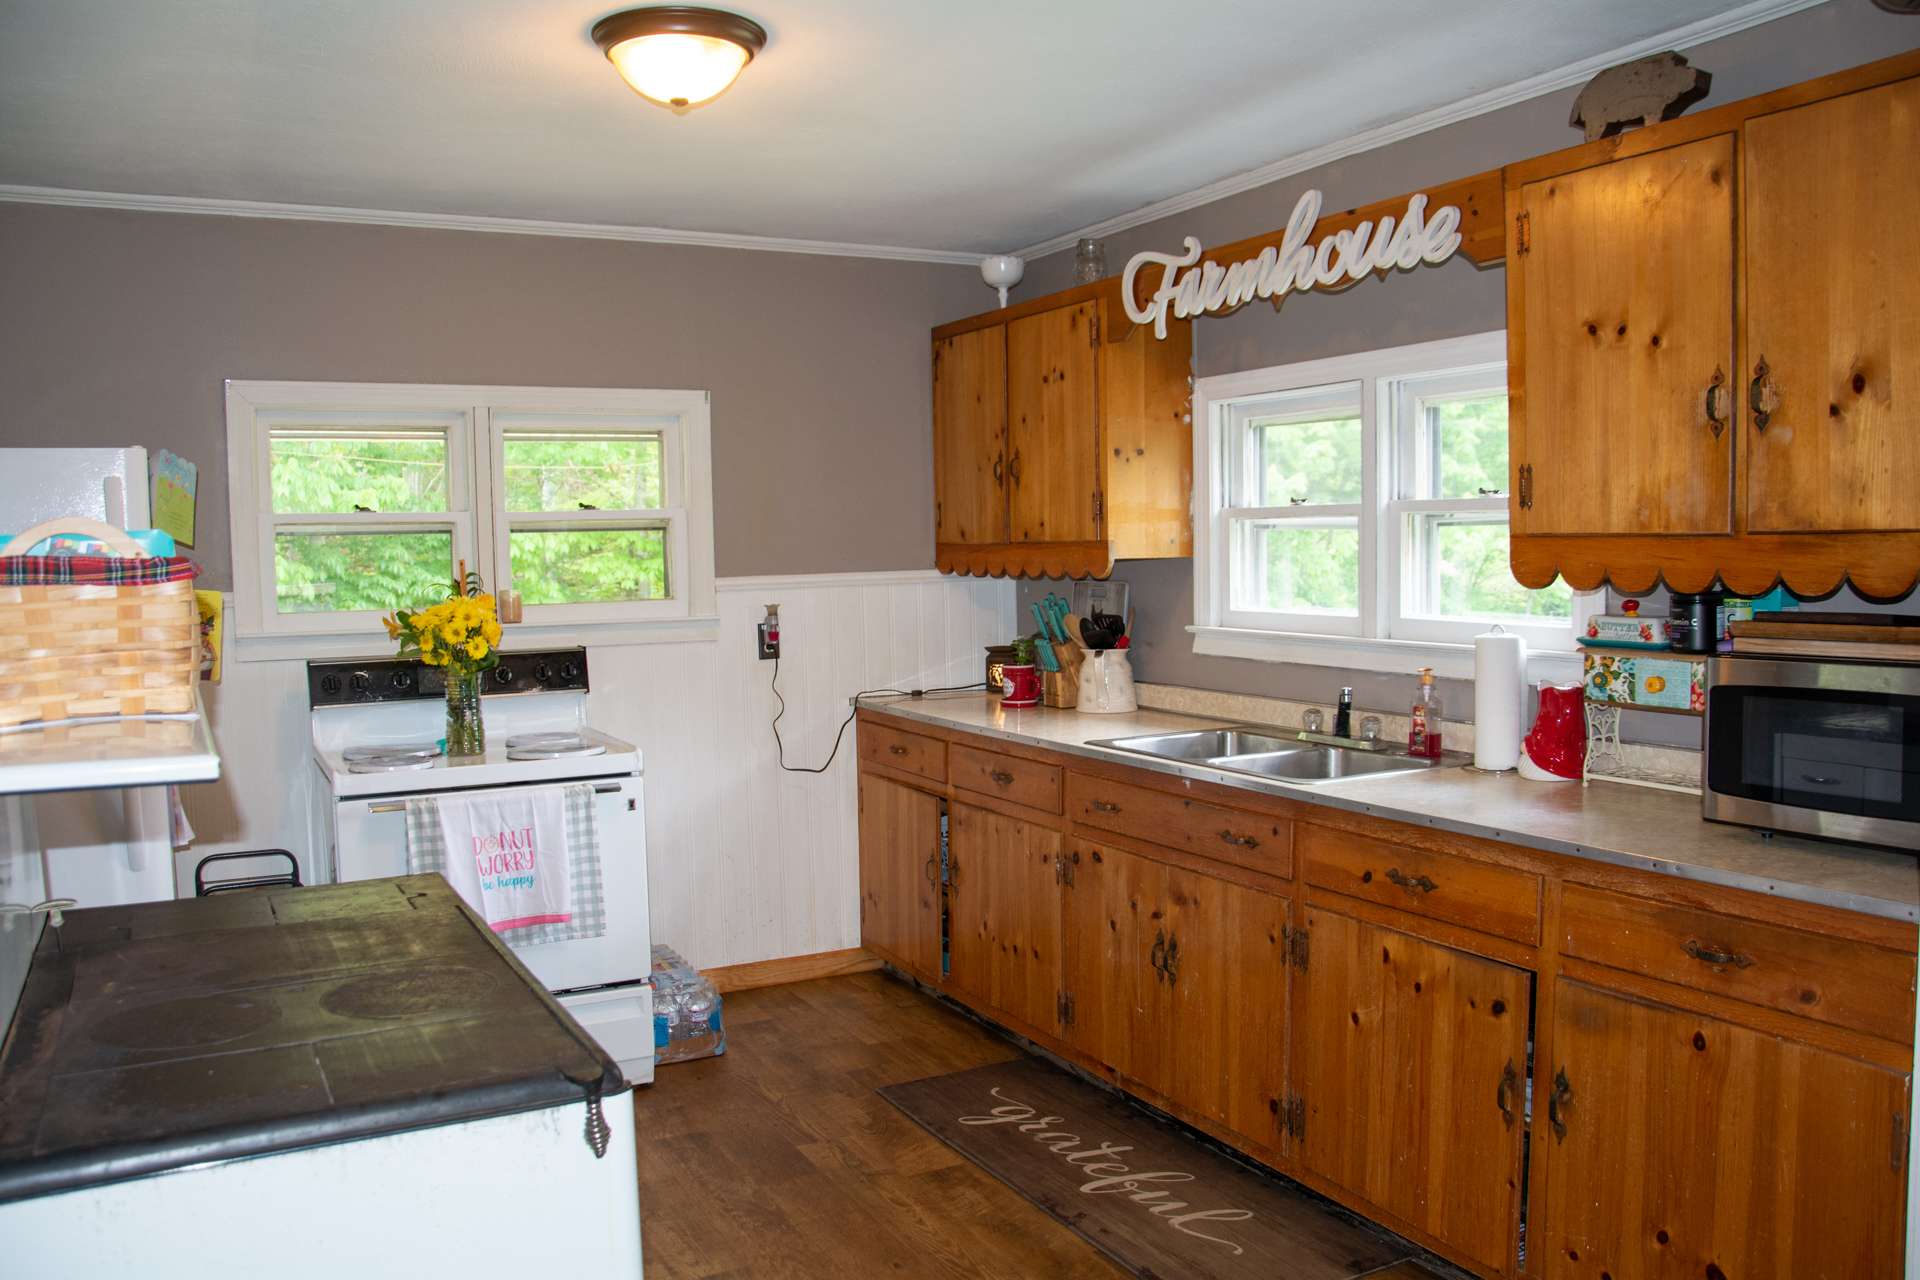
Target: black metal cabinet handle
1504, 1093
1245, 842
1002, 777
1715, 956
897, 749
1173, 959
1717, 402
1557, 1102
933, 876
1412, 884
1158, 956
1101, 806
999, 467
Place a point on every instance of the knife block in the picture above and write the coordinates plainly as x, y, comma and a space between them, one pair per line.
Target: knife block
1059, 688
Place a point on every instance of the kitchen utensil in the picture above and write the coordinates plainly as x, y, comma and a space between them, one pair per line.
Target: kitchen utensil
1057, 606
1092, 596
1076, 630
1097, 636
1043, 644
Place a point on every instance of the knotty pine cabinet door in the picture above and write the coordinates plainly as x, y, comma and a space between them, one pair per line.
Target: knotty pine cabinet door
1679, 1146
1111, 912
1620, 313
1053, 421
900, 874
1003, 914
1832, 274
1411, 1061
970, 437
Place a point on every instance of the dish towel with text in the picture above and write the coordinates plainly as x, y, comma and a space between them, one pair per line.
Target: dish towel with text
527, 861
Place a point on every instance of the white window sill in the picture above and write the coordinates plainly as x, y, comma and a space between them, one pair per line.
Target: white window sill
1397, 657
519, 635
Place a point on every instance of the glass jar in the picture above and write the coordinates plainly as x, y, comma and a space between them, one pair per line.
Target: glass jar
1089, 261
466, 734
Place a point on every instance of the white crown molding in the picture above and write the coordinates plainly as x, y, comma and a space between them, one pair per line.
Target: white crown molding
1725, 24
465, 222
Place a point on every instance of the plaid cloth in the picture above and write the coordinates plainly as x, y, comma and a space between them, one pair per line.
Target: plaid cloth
427, 851
42, 571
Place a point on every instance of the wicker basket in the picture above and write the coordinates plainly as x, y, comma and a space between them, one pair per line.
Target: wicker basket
95, 649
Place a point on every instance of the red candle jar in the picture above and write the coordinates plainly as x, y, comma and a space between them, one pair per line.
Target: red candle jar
1020, 685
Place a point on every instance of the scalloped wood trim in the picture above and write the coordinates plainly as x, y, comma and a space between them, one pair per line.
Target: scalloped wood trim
1026, 559
1880, 565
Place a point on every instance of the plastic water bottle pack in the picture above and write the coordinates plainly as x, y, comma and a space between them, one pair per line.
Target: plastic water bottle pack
686, 1011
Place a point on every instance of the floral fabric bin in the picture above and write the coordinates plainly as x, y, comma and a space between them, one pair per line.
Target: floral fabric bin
1648, 682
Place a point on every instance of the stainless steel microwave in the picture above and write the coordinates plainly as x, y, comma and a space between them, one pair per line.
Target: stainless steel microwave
1813, 746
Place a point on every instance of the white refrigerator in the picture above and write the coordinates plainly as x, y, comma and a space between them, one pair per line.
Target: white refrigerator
98, 847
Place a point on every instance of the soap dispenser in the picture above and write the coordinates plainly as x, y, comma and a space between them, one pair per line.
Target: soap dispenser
1423, 732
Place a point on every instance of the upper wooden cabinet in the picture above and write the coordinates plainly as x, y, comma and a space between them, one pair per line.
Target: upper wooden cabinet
1062, 438
1714, 346
1623, 320
1833, 313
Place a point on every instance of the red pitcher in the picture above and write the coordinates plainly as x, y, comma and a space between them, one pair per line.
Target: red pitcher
1558, 743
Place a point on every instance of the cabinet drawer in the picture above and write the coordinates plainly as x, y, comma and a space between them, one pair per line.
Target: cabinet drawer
1026, 782
1849, 984
1479, 895
907, 752
1258, 842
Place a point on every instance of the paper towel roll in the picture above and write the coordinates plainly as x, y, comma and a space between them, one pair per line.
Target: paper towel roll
1499, 694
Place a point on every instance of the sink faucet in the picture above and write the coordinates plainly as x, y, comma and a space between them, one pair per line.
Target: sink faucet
1343, 717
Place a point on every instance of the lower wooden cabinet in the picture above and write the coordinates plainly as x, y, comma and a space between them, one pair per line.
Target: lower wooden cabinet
1411, 1061
1243, 967
1685, 1146
1003, 905
900, 874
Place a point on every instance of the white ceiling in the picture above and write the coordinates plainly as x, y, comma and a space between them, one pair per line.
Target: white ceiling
960, 125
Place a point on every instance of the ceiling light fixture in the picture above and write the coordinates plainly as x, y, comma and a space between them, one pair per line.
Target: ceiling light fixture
677, 55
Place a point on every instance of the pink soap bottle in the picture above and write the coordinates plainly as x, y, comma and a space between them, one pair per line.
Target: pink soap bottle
1423, 736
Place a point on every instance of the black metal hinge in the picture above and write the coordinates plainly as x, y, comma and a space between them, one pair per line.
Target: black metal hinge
1099, 506
1522, 234
1093, 332
1297, 942
1899, 1152
1526, 486
1063, 1009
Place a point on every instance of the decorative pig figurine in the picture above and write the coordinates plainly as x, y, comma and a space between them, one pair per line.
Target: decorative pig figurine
1645, 91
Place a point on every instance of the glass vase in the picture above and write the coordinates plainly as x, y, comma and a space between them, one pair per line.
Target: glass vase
466, 733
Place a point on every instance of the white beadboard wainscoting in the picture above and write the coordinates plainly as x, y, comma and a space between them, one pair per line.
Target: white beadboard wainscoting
745, 862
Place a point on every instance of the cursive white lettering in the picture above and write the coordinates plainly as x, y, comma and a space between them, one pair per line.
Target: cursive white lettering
1189, 287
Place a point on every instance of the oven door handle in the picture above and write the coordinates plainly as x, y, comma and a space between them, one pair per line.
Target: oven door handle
400, 806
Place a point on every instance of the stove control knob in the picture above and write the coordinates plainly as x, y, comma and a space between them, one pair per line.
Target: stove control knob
503, 675
361, 681
570, 671
543, 673
330, 685
400, 680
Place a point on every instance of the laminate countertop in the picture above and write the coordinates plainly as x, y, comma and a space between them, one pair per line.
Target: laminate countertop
1629, 826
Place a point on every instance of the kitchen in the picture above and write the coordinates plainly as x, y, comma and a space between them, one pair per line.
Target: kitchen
175, 284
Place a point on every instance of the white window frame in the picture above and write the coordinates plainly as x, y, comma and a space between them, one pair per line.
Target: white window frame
476, 503
1386, 636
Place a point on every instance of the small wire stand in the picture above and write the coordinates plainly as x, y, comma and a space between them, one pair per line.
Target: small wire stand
1607, 760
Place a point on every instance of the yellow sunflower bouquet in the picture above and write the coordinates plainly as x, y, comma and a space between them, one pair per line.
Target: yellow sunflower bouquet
462, 634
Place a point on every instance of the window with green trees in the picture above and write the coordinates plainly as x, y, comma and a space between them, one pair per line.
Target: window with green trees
350, 500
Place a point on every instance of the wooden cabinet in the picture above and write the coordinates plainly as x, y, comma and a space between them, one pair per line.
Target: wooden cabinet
1833, 313
970, 437
900, 875
1062, 438
1621, 319
1410, 1062
1665, 1080
1003, 904
1714, 347
1685, 1146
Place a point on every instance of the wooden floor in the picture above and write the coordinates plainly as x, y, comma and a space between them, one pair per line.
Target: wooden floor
780, 1160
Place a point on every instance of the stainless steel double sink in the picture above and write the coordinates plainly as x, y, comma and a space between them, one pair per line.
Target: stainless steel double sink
1262, 754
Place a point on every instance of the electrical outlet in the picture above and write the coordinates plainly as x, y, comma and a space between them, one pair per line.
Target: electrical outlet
769, 633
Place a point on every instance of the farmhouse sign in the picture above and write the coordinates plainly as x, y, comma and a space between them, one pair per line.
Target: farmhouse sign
1339, 257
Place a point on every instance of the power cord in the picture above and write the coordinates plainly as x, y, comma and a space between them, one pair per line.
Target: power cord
780, 747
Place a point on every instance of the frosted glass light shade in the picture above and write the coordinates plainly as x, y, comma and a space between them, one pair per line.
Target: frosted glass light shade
677, 70
677, 55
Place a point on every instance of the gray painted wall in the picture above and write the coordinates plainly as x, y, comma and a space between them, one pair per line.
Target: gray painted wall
1413, 306
118, 328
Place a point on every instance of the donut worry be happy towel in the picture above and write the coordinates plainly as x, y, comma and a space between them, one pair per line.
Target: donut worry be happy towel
528, 861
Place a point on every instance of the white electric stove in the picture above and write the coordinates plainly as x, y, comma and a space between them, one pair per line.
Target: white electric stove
378, 725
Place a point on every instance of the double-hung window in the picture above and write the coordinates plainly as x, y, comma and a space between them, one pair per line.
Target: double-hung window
1353, 512
350, 500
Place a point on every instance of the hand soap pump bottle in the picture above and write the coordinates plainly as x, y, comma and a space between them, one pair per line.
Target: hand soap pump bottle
1423, 735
